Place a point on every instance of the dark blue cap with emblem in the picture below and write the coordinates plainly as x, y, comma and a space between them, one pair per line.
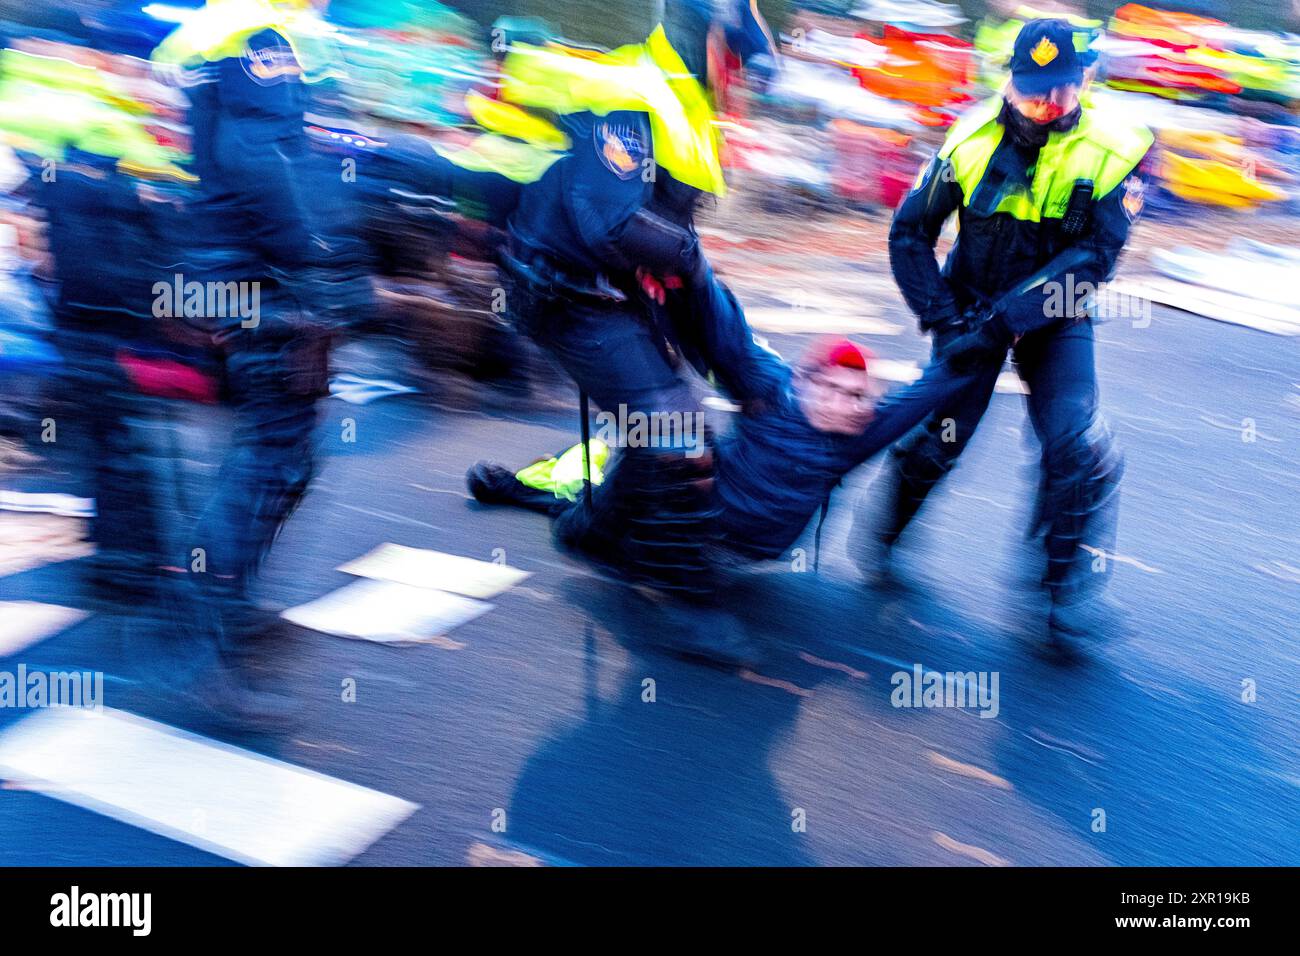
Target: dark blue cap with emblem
1044, 57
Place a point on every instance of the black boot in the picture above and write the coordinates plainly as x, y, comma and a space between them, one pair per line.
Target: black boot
889, 505
490, 483
1081, 511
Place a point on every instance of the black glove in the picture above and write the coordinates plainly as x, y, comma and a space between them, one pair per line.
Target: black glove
987, 341
943, 333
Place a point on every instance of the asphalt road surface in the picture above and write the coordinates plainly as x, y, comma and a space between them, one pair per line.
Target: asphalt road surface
533, 719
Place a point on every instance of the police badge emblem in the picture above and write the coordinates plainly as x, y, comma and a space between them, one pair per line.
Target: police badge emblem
1133, 197
621, 148
270, 62
1045, 52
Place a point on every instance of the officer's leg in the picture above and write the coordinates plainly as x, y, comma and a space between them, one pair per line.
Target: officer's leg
613, 354
655, 507
912, 469
1081, 466
654, 516
127, 519
112, 458
264, 476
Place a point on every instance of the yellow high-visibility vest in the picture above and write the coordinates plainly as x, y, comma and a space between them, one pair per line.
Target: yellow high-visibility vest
1100, 148
647, 77
221, 28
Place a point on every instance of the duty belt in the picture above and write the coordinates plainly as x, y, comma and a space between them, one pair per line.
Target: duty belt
549, 278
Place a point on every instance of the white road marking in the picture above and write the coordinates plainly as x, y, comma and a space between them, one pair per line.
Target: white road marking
435, 569
27, 623
1272, 317
232, 802
387, 612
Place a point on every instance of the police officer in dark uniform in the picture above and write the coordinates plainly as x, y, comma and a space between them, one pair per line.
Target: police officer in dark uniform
592, 242
1045, 191
655, 515
253, 234
611, 219
101, 239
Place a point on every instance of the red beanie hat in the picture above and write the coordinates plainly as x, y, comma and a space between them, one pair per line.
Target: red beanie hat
830, 352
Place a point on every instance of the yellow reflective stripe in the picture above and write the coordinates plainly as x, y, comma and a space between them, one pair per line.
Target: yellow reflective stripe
221, 28
563, 476
490, 153
509, 120
569, 472
971, 142
46, 121
971, 122
692, 154
648, 78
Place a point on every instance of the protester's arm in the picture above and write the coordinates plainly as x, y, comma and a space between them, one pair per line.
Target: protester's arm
912, 237
709, 318
901, 411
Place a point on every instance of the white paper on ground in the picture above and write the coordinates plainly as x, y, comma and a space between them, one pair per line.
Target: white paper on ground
24, 623
435, 569
31, 540
1215, 304
235, 803
386, 611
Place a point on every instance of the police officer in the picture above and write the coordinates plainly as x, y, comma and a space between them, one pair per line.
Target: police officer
255, 236
100, 236
1045, 190
577, 242
605, 268
593, 242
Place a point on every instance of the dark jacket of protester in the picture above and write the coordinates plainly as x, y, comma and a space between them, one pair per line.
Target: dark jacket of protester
775, 470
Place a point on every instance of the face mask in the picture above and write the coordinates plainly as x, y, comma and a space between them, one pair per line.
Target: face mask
1031, 133
1040, 111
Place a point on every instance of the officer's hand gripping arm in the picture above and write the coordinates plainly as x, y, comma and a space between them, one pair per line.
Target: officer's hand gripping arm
1090, 262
